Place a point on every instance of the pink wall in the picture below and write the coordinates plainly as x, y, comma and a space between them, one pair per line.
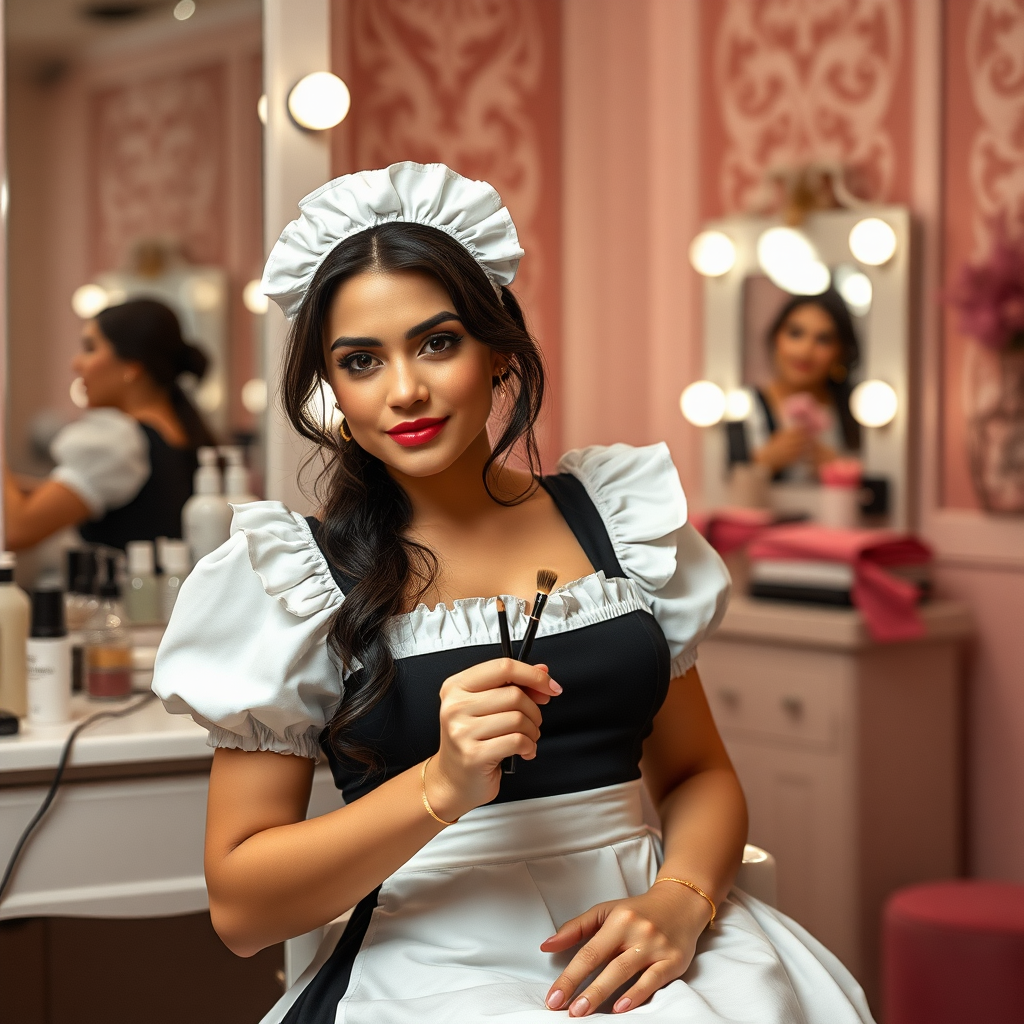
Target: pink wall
476, 86
159, 140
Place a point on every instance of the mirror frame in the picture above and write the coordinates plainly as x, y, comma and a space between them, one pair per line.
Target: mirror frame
884, 334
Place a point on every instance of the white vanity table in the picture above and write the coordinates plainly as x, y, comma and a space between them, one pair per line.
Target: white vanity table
124, 836
849, 754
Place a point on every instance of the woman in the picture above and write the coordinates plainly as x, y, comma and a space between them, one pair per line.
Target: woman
802, 418
124, 470
372, 632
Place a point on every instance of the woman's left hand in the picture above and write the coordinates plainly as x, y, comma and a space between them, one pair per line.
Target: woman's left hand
653, 936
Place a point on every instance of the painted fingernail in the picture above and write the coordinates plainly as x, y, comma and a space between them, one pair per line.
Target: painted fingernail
555, 688
622, 1005
580, 1007
555, 1000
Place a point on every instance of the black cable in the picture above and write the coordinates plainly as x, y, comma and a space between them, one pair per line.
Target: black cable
61, 765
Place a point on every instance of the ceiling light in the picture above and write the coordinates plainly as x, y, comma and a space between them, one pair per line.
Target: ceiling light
873, 403
184, 9
88, 300
254, 396
712, 253
791, 262
872, 241
319, 101
855, 288
262, 108
703, 403
254, 299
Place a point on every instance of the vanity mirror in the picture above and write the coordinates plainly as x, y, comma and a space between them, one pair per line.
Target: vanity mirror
841, 275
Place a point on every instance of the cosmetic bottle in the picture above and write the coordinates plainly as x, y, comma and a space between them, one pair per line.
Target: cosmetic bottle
80, 604
206, 517
175, 565
236, 477
49, 660
142, 591
108, 652
15, 615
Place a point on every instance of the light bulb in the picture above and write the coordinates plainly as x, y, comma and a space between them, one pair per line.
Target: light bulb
209, 395
254, 396
319, 101
872, 241
855, 287
703, 403
791, 262
204, 295
254, 299
262, 108
184, 9
88, 300
738, 405
873, 403
712, 253
79, 396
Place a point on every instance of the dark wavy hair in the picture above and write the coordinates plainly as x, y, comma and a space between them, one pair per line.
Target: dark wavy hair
365, 512
147, 332
831, 302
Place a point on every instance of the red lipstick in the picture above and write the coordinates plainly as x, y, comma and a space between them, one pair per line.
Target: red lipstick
414, 432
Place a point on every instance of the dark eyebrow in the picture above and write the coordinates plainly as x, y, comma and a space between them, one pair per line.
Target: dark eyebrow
438, 318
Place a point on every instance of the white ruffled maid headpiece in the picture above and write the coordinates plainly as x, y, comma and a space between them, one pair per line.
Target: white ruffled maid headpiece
431, 194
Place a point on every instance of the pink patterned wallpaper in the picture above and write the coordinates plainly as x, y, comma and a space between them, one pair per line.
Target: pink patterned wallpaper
474, 84
793, 81
984, 185
158, 165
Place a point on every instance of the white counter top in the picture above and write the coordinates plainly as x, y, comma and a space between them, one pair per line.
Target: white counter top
147, 735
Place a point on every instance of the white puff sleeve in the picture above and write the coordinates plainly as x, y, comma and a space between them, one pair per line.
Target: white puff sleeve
245, 652
641, 501
103, 458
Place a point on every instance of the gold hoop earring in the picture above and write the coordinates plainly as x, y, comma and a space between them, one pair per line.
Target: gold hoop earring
503, 383
838, 373
341, 430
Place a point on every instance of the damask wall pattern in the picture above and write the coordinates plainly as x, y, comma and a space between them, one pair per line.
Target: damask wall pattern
474, 84
158, 165
796, 81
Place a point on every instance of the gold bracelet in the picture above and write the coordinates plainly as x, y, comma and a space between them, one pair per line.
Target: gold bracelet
698, 890
426, 802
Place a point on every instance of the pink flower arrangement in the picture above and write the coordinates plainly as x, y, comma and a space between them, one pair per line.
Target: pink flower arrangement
990, 296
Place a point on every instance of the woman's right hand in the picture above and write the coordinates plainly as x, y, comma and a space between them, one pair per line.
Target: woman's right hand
786, 446
484, 719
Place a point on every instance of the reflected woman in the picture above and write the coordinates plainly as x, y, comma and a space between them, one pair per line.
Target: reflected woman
802, 418
124, 470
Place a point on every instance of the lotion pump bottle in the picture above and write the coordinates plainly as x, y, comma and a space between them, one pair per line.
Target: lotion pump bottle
15, 614
49, 660
206, 517
236, 477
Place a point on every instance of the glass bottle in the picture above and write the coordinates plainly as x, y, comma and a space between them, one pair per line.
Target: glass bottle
108, 652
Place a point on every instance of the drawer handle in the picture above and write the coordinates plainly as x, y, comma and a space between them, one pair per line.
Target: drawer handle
794, 708
730, 698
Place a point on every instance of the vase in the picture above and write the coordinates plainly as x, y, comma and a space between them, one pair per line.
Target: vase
994, 405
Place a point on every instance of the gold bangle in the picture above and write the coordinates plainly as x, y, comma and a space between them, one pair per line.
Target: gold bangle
698, 890
426, 802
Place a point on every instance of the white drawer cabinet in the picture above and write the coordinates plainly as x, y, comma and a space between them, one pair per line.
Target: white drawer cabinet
849, 755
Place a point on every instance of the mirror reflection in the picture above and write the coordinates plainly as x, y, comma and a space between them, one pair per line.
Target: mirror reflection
135, 156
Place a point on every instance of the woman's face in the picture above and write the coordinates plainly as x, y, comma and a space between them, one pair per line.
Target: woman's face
103, 372
807, 347
415, 388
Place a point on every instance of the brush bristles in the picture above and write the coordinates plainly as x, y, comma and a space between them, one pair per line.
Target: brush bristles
501, 605
546, 579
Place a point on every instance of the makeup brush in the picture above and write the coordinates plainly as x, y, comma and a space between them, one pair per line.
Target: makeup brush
508, 764
546, 579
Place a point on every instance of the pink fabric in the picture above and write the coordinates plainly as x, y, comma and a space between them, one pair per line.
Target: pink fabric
888, 604
730, 529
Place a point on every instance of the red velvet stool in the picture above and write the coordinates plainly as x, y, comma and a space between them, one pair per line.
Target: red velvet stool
953, 953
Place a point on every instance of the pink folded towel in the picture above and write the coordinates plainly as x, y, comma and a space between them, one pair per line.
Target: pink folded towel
888, 604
